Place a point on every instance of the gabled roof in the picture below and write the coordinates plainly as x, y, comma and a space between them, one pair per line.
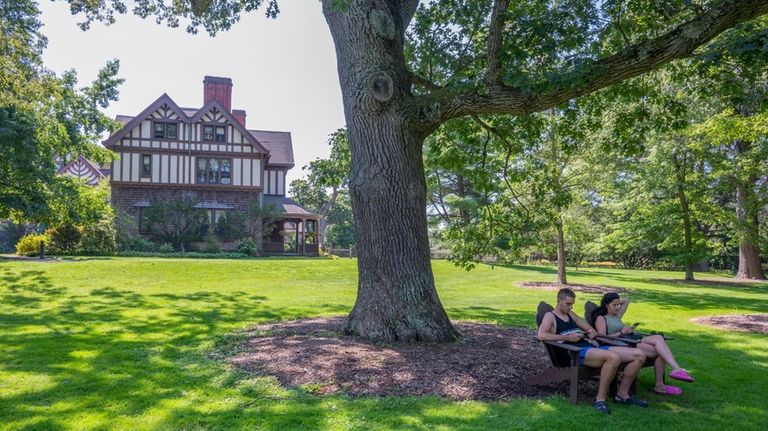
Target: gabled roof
280, 147
81, 167
286, 206
135, 121
236, 124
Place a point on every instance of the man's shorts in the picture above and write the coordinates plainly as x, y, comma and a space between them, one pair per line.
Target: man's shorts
583, 352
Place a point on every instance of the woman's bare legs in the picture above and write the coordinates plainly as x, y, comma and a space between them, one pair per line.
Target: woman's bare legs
661, 348
634, 359
659, 365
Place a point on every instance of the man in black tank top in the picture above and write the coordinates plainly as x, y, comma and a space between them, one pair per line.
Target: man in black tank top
562, 324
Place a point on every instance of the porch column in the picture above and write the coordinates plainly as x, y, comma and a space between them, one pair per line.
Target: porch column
298, 251
303, 236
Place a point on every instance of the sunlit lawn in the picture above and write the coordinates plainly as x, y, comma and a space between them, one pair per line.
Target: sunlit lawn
137, 344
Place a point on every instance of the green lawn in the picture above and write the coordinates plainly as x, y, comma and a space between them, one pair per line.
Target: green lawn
123, 343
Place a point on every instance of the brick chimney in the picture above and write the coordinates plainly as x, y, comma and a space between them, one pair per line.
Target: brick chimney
239, 115
220, 90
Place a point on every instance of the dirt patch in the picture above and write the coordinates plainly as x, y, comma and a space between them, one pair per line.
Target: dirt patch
586, 288
490, 362
737, 322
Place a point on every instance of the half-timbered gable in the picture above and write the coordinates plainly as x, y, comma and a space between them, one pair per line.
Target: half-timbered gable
83, 169
168, 151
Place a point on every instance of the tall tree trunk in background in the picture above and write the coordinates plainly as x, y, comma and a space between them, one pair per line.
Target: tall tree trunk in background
324, 210
686, 214
560, 252
748, 225
396, 297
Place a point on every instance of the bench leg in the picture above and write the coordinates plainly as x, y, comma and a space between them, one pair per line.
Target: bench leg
575, 378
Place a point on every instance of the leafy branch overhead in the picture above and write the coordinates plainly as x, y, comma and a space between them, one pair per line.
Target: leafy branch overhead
529, 57
478, 57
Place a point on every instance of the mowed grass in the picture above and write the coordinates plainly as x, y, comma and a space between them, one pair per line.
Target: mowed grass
139, 344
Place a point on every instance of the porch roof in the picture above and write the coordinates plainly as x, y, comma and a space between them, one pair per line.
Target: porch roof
288, 206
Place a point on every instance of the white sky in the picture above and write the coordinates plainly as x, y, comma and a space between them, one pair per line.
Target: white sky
283, 71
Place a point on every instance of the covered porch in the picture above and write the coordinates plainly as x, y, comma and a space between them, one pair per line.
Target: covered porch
295, 233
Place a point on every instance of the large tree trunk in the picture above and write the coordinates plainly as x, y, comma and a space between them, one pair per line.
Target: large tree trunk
560, 252
748, 225
396, 298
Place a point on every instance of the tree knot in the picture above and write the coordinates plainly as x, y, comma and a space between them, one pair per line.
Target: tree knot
381, 86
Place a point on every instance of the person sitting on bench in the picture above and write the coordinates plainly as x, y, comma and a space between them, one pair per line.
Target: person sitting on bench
607, 319
562, 324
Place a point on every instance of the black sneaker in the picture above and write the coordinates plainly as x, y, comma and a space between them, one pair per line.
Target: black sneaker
630, 401
601, 407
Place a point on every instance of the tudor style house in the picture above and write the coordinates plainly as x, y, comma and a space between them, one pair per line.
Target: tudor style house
208, 154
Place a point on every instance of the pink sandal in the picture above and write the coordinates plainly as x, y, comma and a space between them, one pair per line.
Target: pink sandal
670, 390
682, 375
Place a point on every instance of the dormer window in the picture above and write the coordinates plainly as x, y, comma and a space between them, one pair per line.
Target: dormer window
214, 134
166, 130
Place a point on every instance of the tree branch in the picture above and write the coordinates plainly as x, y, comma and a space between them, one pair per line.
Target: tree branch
424, 82
495, 31
635, 60
407, 8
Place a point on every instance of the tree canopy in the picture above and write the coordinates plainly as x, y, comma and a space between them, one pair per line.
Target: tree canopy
43, 116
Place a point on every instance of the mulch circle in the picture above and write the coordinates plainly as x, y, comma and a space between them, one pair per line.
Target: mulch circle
489, 362
737, 322
576, 287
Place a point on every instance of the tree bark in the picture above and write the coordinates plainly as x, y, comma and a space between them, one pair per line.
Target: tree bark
560, 252
396, 297
748, 225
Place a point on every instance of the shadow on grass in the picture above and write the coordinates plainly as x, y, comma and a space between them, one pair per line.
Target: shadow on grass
113, 349
487, 314
727, 285
549, 270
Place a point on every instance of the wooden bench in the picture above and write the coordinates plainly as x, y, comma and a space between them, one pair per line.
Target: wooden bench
565, 362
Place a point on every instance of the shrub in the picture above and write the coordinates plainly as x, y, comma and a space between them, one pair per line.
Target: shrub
229, 226
166, 247
29, 245
65, 238
99, 238
177, 221
11, 232
248, 247
212, 245
137, 243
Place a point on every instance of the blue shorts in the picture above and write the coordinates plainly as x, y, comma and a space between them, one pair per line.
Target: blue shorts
583, 352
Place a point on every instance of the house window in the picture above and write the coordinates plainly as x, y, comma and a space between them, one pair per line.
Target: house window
146, 165
214, 171
166, 130
214, 134
225, 166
